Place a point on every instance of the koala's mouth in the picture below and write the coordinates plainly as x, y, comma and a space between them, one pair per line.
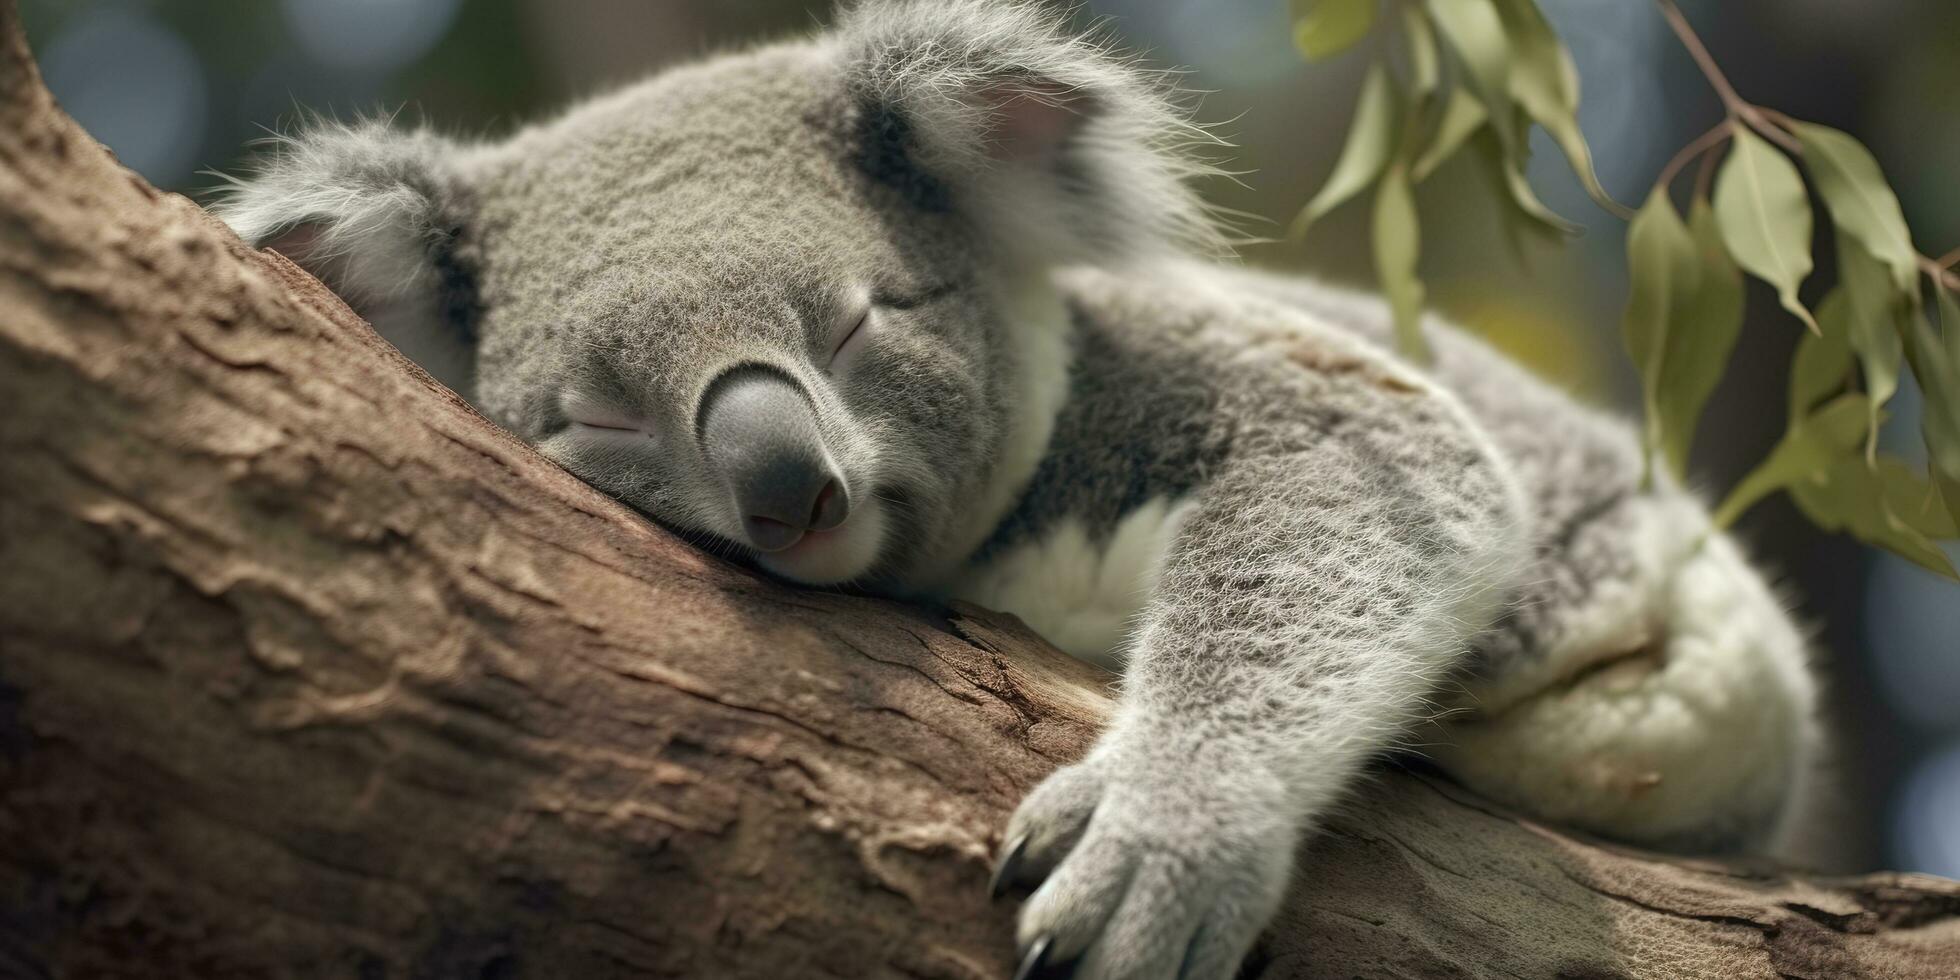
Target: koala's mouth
835, 556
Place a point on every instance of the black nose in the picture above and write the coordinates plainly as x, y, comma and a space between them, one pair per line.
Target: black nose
760, 434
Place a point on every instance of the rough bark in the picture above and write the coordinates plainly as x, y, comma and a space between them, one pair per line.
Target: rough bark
306, 669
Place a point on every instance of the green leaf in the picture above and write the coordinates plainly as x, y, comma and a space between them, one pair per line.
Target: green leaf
1514, 199
1683, 315
1324, 28
1860, 201
1370, 141
1543, 81
1823, 359
1914, 500
1949, 321
1878, 504
1476, 32
1706, 321
1462, 116
1509, 172
1937, 367
1839, 425
1660, 255
1425, 64
1875, 317
1398, 242
1804, 453
1765, 218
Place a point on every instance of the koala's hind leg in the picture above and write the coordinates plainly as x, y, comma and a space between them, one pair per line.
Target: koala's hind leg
1646, 684
1649, 688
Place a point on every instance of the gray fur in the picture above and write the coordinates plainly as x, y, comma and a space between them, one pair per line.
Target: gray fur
1355, 542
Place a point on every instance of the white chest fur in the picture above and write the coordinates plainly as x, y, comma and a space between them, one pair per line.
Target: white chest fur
1081, 593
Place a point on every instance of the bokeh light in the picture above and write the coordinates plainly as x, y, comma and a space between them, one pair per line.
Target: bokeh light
135, 85
1927, 818
374, 35
1913, 629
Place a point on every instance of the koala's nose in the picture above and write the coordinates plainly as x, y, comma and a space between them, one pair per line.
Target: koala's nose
760, 434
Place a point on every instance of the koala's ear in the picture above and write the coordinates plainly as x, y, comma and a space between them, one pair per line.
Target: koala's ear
1041, 134
378, 215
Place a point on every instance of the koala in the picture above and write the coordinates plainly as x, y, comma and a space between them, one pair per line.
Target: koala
925, 305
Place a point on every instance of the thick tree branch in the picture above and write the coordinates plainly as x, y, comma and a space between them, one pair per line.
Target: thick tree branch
307, 670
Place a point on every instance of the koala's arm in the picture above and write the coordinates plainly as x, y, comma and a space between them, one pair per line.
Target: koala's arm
1328, 578
1646, 683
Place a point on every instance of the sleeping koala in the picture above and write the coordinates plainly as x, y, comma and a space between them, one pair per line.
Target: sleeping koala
923, 306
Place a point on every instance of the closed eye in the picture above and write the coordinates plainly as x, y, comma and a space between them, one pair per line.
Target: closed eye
584, 413
913, 300
850, 335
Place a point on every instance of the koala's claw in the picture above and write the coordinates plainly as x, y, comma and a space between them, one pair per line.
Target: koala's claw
1035, 959
1005, 869
1147, 878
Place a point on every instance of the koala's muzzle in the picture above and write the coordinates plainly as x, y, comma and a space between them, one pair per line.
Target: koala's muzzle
759, 431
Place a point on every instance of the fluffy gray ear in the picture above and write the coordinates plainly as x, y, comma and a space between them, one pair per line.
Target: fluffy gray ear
1046, 136
377, 214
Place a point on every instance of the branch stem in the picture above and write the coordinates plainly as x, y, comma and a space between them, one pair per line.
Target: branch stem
1938, 270
1737, 106
1706, 62
1702, 144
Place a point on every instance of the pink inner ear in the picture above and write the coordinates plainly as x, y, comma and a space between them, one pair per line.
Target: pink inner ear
1030, 122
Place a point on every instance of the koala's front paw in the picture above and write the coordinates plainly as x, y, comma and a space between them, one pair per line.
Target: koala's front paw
1150, 867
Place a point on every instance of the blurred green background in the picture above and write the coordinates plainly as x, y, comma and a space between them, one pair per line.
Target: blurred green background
178, 86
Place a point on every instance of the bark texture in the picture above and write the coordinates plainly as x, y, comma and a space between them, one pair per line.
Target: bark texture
307, 670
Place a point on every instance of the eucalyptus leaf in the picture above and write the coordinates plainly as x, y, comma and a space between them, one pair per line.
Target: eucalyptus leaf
1866, 500
1520, 224
1509, 170
1805, 452
1839, 425
1823, 359
1860, 201
1765, 218
1949, 322
1660, 255
1706, 321
1463, 115
1425, 62
1542, 80
1914, 499
1370, 141
1324, 28
1476, 32
1397, 245
1875, 308
1937, 367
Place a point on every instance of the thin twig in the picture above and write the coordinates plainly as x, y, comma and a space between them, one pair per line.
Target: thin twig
1682, 29
1705, 174
1784, 123
1937, 269
1729, 97
1736, 105
1702, 144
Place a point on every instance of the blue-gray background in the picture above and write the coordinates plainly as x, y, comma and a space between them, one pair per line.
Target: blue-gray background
179, 86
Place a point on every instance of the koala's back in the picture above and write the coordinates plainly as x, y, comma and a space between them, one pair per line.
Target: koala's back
1174, 371
1579, 466
1162, 378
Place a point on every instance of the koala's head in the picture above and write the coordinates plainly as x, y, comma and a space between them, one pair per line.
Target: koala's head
795, 300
